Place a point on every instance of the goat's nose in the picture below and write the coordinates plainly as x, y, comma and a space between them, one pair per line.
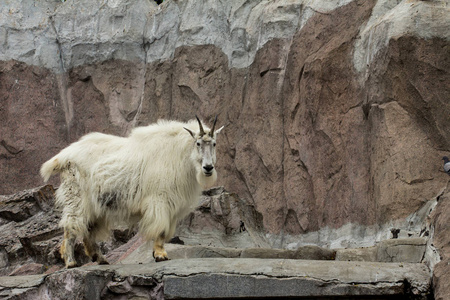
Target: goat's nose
208, 168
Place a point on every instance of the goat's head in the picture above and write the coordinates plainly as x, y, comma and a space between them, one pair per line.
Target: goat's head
204, 154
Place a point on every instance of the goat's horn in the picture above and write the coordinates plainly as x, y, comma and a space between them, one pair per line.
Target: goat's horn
202, 132
211, 133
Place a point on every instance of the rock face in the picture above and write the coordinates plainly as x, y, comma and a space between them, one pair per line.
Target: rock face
336, 112
328, 107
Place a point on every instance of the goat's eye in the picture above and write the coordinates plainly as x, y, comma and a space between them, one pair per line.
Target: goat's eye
198, 144
214, 144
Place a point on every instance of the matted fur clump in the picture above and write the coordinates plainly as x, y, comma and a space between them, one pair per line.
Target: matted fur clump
153, 177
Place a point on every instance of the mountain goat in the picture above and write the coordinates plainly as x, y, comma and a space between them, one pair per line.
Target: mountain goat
153, 177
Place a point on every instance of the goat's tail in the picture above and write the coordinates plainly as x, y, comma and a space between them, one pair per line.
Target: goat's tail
50, 167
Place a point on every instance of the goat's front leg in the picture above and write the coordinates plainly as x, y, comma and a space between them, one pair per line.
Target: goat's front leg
159, 254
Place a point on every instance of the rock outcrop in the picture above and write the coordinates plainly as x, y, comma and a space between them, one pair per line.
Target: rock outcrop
30, 257
219, 278
336, 112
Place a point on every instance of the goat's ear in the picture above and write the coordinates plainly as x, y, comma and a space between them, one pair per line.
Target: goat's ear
217, 131
192, 134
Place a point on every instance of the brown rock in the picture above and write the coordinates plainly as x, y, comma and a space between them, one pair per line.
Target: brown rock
29, 230
28, 269
400, 114
325, 127
441, 274
31, 124
23, 205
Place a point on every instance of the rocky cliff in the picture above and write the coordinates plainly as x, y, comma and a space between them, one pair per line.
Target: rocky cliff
337, 112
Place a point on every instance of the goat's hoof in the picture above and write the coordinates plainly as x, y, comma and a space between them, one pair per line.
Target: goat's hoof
160, 257
71, 264
100, 259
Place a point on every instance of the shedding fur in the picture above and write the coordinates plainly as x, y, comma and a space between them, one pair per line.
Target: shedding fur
153, 177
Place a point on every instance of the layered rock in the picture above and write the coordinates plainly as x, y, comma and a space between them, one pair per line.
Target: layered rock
219, 278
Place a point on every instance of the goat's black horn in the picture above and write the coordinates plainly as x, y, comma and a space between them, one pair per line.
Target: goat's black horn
202, 132
211, 133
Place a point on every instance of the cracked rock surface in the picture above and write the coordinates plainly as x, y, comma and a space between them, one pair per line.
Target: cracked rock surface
219, 277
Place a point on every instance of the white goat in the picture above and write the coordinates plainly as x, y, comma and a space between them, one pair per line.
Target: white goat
153, 177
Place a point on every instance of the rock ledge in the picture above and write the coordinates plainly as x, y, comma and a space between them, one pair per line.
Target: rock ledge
227, 278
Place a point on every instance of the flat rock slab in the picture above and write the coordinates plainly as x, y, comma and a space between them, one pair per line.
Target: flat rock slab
143, 253
229, 278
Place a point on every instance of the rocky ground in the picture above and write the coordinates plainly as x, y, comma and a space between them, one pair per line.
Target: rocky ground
218, 253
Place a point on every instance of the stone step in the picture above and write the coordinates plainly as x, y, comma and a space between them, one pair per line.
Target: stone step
225, 278
410, 250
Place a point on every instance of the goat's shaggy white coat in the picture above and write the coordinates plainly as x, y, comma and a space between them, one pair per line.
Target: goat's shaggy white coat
153, 177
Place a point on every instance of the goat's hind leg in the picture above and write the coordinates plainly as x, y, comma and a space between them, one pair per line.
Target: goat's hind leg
92, 249
67, 249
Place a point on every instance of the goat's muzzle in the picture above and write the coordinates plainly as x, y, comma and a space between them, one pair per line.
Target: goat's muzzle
208, 170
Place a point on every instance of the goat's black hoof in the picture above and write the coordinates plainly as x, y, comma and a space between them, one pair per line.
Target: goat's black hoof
159, 258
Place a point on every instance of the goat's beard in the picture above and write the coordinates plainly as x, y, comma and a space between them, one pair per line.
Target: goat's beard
206, 181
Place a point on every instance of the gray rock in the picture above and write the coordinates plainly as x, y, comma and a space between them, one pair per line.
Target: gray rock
402, 250
143, 253
232, 278
357, 254
70, 35
410, 250
391, 19
305, 252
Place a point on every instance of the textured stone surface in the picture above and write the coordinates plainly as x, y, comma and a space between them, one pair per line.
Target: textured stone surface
143, 253
357, 254
29, 231
394, 250
441, 282
401, 250
219, 278
88, 32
